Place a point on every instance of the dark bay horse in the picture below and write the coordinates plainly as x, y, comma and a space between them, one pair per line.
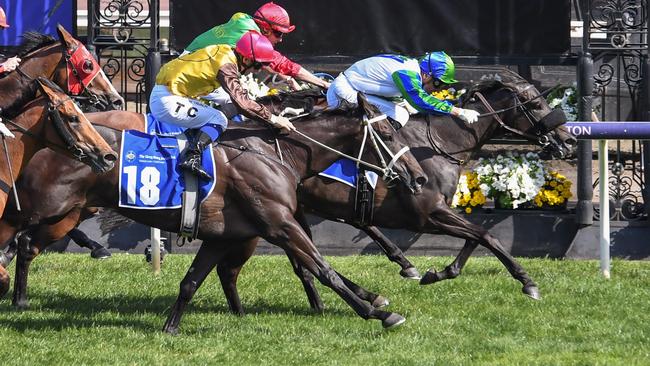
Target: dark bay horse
439, 144
255, 196
53, 121
67, 63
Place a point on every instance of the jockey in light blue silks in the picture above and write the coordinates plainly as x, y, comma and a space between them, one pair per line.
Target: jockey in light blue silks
384, 78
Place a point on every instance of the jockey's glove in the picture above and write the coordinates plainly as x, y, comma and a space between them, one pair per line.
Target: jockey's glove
5, 131
11, 64
468, 115
282, 123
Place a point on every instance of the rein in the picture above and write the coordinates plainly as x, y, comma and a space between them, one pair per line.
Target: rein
386, 169
59, 126
517, 102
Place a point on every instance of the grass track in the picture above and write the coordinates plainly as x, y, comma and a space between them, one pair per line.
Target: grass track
111, 312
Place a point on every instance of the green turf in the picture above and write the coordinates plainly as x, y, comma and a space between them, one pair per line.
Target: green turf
87, 312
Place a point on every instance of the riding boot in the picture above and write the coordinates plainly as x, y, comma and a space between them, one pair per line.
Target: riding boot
191, 157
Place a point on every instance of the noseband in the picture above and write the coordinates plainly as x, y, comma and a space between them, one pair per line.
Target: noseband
71, 144
540, 127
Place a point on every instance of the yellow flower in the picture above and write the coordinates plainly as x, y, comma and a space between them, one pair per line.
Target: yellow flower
468, 210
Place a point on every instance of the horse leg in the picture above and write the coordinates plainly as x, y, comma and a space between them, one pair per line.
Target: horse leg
290, 237
30, 244
452, 270
206, 259
444, 219
7, 235
307, 279
97, 251
392, 251
228, 270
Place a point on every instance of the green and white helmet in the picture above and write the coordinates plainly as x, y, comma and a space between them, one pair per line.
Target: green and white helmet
439, 65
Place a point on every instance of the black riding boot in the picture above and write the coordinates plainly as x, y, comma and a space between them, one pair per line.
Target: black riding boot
191, 157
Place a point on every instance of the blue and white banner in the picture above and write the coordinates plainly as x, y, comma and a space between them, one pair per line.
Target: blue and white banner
345, 171
156, 127
149, 175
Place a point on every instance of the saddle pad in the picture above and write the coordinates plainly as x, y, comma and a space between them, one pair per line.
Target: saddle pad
345, 171
155, 127
149, 175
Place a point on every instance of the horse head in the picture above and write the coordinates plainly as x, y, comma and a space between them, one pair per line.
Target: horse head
395, 148
67, 62
73, 133
85, 77
522, 110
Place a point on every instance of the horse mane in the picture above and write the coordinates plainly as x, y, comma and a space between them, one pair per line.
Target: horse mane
34, 40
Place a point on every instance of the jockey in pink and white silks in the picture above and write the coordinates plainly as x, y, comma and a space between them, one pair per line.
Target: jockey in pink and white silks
181, 84
384, 78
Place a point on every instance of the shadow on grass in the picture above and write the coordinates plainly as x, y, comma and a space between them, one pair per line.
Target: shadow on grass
70, 310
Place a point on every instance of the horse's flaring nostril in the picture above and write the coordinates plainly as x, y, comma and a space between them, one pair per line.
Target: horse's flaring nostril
110, 157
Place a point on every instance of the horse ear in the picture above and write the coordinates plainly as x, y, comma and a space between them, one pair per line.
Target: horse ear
47, 87
65, 36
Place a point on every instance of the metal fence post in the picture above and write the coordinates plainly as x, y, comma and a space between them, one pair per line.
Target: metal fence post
585, 207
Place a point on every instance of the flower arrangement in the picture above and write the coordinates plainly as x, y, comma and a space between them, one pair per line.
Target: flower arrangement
512, 181
567, 99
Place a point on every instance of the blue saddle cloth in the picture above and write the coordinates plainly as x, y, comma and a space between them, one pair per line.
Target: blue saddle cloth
345, 171
149, 175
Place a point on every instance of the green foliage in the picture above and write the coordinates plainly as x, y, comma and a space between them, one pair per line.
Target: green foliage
85, 312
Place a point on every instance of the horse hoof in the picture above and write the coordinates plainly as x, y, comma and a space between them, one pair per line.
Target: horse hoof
21, 305
100, 253
380, 302
170, 330
532, 291
429, 278
410, 273
393, 321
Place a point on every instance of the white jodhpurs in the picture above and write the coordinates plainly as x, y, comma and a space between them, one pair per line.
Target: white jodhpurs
183, 111
341, 89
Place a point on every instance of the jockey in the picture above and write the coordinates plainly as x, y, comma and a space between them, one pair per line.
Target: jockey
385, 77
11, 63
181, 83
273, 22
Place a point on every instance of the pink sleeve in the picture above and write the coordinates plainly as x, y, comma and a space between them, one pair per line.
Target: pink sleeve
2, 68
283, 65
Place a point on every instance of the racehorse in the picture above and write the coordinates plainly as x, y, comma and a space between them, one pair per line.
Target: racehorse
441, 145
53, 121
67, 63
255, 196
335, 200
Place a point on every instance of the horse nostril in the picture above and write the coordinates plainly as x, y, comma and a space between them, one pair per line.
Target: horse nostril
117, 103
572, 141
110, 157
422, 180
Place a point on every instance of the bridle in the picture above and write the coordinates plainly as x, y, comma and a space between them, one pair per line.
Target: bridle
70, 142
81, 91
539, 126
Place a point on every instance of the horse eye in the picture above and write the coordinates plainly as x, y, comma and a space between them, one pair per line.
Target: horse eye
88, 66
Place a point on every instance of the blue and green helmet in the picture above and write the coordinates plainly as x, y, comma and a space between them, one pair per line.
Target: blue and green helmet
439, 65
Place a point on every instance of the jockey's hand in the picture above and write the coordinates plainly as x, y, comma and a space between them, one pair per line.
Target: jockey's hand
11, 64
468, 115
293, 84
282, 123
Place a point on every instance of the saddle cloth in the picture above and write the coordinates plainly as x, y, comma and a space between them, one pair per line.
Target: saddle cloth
149, 175
345, 171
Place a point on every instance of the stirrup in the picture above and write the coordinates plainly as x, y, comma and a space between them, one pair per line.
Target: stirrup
193, 165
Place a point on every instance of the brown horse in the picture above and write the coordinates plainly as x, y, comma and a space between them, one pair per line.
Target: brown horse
255, 196
439, 144
53, 121
44, 56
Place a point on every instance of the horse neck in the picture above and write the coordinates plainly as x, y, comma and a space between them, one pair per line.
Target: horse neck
21, 148
338, 132
18, 89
